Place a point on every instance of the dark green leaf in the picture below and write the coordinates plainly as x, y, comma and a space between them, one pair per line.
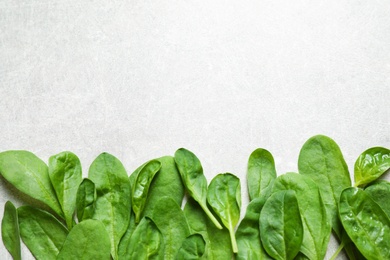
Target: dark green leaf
224, 196
366, 223
371, 164
248, 233
261, 173
86, 200
87, 241
193, 248
10, 230
380, 193
141, 187
65, 176
281, 229
125, 244
29, 174
41, 232
113, 193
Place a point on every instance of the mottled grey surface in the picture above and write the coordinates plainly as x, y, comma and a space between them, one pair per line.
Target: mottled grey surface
141, 78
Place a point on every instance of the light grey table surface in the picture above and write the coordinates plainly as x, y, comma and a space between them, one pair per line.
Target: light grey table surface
140, 79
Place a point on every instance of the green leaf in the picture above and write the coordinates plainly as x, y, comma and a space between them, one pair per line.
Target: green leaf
224, 196
86, 200
113, 193
29, 174
10, 230
193, 248
366, 223
170, 220
371, 164
141, 187
87, 240
321, 159
218, 245
41, 232
248, 233
65, 175
380, 193
315, 219
281, 229
191, 172
145, 241
261, 173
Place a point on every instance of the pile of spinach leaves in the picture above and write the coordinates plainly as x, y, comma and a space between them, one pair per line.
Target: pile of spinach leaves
113, 215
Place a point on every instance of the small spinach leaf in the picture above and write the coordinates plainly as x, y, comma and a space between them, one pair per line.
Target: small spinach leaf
193, 248
41, 232
29, 174
366, 223
10, 230
261, 173
65, 176
281, 229
88, 241
371, 164
224, 196
85, 200
113, 193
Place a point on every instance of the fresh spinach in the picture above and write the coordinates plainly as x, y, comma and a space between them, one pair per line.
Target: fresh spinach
224, 196
370, 165
380, 193
65, 175
10, 230
86, 200
113, 193
261, 173
88, 241
193, 248
281, 229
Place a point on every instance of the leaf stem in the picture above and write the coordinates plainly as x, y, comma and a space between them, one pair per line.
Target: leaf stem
210, 215
341, 246
233, 239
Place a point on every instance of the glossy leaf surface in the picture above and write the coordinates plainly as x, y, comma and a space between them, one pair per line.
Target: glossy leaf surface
87, 240
371, 164
10, 230
85, 200
248, 233
113, 193
29, 174
193, 248
224, 196
366, 223
281, 229
41, 232
65, 175
321, 159
191, 172
261, 173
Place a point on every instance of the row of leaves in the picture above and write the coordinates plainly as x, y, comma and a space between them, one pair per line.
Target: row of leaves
113, 215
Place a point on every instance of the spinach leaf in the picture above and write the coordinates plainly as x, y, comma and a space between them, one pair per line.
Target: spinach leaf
41, 232
124, 244
171, 222
218, 244
371, 164
65, 176
29, 174
167, 183
145, 241
281, 229
366, 223
193, 248
315, 219
191, 172
141, 187
113, 193
86, 200
380, 193
248, 233
88, 241
10, 230
261, 173
224, 196
321, 159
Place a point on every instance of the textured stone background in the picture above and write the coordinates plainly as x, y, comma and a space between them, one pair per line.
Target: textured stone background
141, 78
